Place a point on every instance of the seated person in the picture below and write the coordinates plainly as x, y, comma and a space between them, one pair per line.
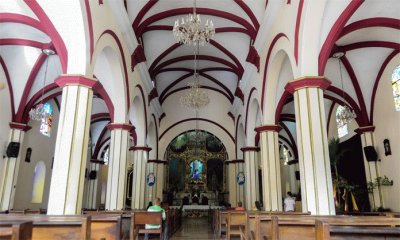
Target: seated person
240, 207
156, 208
289, 203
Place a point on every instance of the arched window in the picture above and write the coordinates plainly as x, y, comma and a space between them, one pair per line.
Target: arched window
396, 87
38, 182
341, 125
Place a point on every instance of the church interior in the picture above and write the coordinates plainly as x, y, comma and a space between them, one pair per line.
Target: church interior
107, 105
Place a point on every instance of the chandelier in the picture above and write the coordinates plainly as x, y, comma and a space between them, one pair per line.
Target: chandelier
39, 112
190, 30
345, 114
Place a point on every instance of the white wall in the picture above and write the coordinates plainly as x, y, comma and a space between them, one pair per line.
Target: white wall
387, 123
42, 150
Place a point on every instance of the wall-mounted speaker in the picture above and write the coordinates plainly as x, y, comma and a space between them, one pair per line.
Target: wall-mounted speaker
370, 154
13, 149
297, 173
92, 175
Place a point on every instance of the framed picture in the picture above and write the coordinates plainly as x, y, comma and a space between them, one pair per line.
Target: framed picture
28, 155
240, 178
386, 145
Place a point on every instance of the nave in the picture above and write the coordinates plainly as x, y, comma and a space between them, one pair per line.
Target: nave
194, 228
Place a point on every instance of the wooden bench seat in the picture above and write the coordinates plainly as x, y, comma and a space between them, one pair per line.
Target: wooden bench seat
15, 230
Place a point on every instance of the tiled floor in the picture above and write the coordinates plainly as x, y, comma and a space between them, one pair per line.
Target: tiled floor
194, 228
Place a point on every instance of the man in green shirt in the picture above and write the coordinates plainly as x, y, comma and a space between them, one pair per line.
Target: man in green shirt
156, 208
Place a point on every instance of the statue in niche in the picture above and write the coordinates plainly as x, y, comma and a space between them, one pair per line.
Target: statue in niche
196, 170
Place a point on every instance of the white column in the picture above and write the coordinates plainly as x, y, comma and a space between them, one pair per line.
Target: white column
240, 188
140, 157
10, 167
271, 168
157, 168
251, 173
92, 186
67, 180
117, 167
371, 168
232, 183
315, 170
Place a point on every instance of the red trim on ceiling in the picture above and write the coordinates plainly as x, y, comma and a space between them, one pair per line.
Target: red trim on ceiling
247, 108
155, 124
104, 95
230, 114
52, 32
163, 115
229, 54
32, 101
203, 11
90, 28
276, 38
24, 42
28, 86
292, 141
20, 126
22, 19
152, 95
368, 44
65, 80
297, 30
356, 86
249, 13
378, 78
253, 57
365, 129
239, 94
174, 83
144, 106
236, 135
371, 22
268, 128
314, 82
99, 141
10, 88
99, 115
162, 55
214, 80
334, 34
137, 57
197, 119
281, 104
121, 50
143, 12
328, 121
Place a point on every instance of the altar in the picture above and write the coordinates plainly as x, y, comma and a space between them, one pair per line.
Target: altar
195, 210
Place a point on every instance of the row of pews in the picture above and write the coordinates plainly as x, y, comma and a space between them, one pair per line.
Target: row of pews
90, 225
258, 225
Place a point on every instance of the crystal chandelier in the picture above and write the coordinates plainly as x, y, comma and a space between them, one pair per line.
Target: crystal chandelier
39, 111
190, 30
346, 114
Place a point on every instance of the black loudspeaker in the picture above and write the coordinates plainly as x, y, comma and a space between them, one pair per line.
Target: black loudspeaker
13, 149
297, 173
370, 154
92, 175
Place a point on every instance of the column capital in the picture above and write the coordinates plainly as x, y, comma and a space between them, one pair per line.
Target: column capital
308, 82
142, 148
365, 129
234, 161
20, 126
250, 149
76, 80
157, 161
121, 126
268, 128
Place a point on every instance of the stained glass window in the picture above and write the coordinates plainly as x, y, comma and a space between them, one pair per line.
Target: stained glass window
341, 125
45, 126
396, 87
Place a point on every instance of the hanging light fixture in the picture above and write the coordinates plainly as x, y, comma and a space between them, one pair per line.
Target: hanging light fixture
39, 112
345, 114
190, 30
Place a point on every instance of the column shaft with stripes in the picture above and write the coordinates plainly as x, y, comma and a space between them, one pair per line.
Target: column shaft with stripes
251, 174
155, 167
67, 180
312, 142
371, 167
117, 166
9, 167
140, 157
271, 169
235, 190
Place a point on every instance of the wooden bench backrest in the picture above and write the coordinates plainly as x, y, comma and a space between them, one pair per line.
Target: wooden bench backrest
106, 227
237, 223
16, 230
55, 227
324, 231
140, 218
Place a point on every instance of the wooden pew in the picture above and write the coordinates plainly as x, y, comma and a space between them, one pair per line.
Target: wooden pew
237, 225
139, 219
221, 222
55, 227
16, 230
325, 231
303, 227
